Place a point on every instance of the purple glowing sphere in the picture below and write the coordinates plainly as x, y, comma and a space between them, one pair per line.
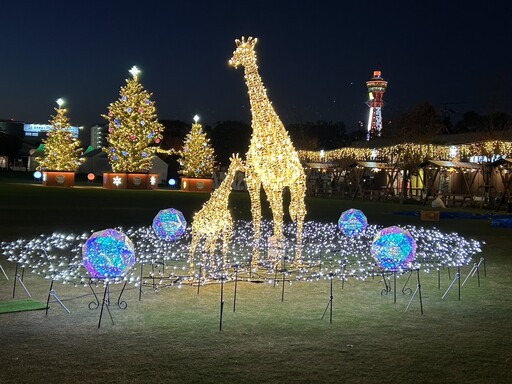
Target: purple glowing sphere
352, 222
108, 253
393, 248
169, 224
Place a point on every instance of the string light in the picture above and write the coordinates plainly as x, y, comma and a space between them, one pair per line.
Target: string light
197, 158
133, 128
412, 153
61, 150
214, 220
271, 161
329, 253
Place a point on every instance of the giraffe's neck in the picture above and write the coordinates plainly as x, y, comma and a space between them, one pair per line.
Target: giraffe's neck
224, 189
261, 107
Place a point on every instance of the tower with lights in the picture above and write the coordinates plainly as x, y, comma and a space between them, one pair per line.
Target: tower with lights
376, 88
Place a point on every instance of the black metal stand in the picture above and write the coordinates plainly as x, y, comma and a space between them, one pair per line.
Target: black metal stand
405, 289
199, 279
329, 304
475, 270
140, 281
417, 291
236, 285
52, 293
122, 304
456, 278
18, 278
3, 271
387, 288
221, 302
106, 301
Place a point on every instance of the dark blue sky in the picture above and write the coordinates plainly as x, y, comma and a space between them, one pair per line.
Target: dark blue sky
314, 57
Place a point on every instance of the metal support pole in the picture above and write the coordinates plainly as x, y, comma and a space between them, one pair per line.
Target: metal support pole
236, 284
221, 302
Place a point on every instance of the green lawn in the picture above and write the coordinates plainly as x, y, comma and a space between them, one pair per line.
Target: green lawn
173, 335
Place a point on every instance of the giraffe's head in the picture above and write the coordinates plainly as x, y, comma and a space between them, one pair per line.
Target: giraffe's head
236, 163
244, 52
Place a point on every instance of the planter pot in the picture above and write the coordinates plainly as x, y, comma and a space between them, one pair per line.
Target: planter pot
58, 179
120, 180
192, 184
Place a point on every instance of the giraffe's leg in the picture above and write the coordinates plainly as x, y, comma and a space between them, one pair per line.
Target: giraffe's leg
298, 213
211, 252
254, 187
226, 241
207, 256
275, 197
193, 246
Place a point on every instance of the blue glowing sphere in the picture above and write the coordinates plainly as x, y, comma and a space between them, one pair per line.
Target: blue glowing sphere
38, 175
352, 222
172, 182
108, 253
393, 248
169, 224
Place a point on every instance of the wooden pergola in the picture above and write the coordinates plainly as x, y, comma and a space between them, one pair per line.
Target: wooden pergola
360, 170
504, 169
431, 179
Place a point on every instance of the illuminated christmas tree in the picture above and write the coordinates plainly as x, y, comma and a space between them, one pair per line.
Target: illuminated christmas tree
197, 158
133, 128
61, 150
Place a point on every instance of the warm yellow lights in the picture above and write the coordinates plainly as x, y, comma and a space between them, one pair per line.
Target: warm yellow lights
197, 157
214, 221
409, 153
133, 128
61, 150
271, 161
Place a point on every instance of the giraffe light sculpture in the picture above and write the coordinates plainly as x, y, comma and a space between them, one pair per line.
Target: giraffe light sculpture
214, 220
271, 161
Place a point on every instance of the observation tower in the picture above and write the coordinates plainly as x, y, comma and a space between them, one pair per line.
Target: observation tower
376, 88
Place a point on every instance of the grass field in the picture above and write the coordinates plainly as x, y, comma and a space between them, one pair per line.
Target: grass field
172, 335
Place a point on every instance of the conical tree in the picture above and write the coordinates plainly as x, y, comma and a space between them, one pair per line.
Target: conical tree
61, 150
197, 158
133, 129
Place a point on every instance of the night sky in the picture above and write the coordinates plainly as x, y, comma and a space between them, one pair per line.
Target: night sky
314, 57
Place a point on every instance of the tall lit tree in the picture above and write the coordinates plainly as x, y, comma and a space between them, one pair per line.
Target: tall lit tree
133, 128
61, 150
197, 158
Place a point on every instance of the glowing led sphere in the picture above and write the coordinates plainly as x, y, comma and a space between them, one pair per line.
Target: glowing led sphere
169, 224
108, 253
393, 248
91, 176
37, 175
172, 182
352, 222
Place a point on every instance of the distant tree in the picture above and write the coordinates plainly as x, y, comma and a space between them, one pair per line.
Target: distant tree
173, 134
61, 150
302, 136
10, 145
230, 137
319, 135
134, 131
489, 125
416, 126
197, 158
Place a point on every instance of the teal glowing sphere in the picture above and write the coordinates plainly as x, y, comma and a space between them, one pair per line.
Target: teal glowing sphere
393, 248
108, 253
169, 224
352, 222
